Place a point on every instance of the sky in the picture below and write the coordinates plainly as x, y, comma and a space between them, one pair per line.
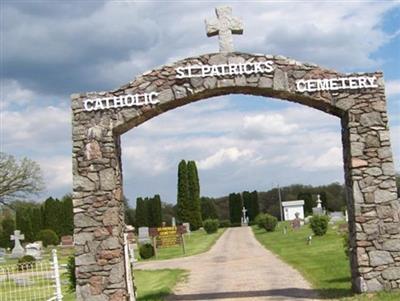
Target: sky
51, 49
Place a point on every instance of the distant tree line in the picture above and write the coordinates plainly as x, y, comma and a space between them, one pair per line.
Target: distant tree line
31, 218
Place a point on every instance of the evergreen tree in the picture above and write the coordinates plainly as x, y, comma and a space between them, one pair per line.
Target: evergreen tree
208, 209
156, 211
23, 222
141, 213
66, 216
52, 215
235, 208
255, 205
183, 193
308, 202
194, 196
8, 226
36, 221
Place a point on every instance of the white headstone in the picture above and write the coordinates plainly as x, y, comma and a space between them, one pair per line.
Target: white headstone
18, 251
187, 226
245, 219
319, 202
224, 26
143, 235
34, 250
2, 254
173, 222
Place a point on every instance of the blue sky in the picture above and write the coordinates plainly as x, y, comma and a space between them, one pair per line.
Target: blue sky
51, 49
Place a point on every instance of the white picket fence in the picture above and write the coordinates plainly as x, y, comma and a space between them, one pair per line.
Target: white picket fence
33, 281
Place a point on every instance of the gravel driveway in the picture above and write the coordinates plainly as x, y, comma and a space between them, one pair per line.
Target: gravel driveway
238, 268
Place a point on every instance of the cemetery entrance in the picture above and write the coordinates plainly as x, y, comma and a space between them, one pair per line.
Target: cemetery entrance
99, 119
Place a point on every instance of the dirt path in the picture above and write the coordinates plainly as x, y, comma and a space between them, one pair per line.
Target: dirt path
238, 268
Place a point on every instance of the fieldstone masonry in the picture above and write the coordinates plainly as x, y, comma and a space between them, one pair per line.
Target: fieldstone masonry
373, 206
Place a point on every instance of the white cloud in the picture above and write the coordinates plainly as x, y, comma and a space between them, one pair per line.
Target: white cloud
392, 87
36, 127
231, 154
13, 93
260, 125
57, 172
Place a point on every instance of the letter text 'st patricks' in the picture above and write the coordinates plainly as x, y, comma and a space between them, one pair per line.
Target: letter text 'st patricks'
224, 26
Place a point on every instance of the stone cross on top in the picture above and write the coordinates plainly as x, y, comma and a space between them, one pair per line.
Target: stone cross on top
17, 237
224, 26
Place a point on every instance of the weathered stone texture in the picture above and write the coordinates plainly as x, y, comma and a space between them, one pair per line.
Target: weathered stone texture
373, 205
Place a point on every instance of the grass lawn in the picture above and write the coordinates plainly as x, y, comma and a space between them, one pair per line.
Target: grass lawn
323, 263
155, 285
195, 243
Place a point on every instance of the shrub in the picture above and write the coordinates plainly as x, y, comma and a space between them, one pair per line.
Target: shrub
319, 224
224, 223
26, 262
48, 237
266, 221
71, 273
146, 251
270, 223
211, 225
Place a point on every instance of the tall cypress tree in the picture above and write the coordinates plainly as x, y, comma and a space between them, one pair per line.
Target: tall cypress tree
67, 219
36, 221
235, 208
156, 210
255, 206
194, 196
141, 213
183, 193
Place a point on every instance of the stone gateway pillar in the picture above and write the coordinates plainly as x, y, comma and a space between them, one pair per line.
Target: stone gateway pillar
98, 209
358, 100
374, 209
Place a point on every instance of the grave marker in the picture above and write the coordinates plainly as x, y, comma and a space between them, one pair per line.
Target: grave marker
18, 251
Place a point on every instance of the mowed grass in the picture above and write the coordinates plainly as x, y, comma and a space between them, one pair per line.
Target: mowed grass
195, 243
323, 263
155, 285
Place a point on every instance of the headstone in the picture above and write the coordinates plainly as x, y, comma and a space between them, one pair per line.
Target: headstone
290, 208
143, 235
245, 219
34, 250
2, 254
187, 227
318, 210
67, 241
346, 215
18, 251
296, 223
336, 217
173, 222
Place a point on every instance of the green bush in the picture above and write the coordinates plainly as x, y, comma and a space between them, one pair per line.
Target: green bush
25, 263
146, 251
211, 225
319, 224
346, 246
71, 273
266, 221
224, 223
48, 237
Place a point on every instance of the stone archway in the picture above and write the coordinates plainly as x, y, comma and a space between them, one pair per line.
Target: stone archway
357, 99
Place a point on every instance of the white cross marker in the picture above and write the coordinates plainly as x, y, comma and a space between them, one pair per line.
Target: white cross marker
17, 237
225, 25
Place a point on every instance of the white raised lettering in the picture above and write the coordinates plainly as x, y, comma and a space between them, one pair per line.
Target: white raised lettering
180, 73
86, 105
301, 85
